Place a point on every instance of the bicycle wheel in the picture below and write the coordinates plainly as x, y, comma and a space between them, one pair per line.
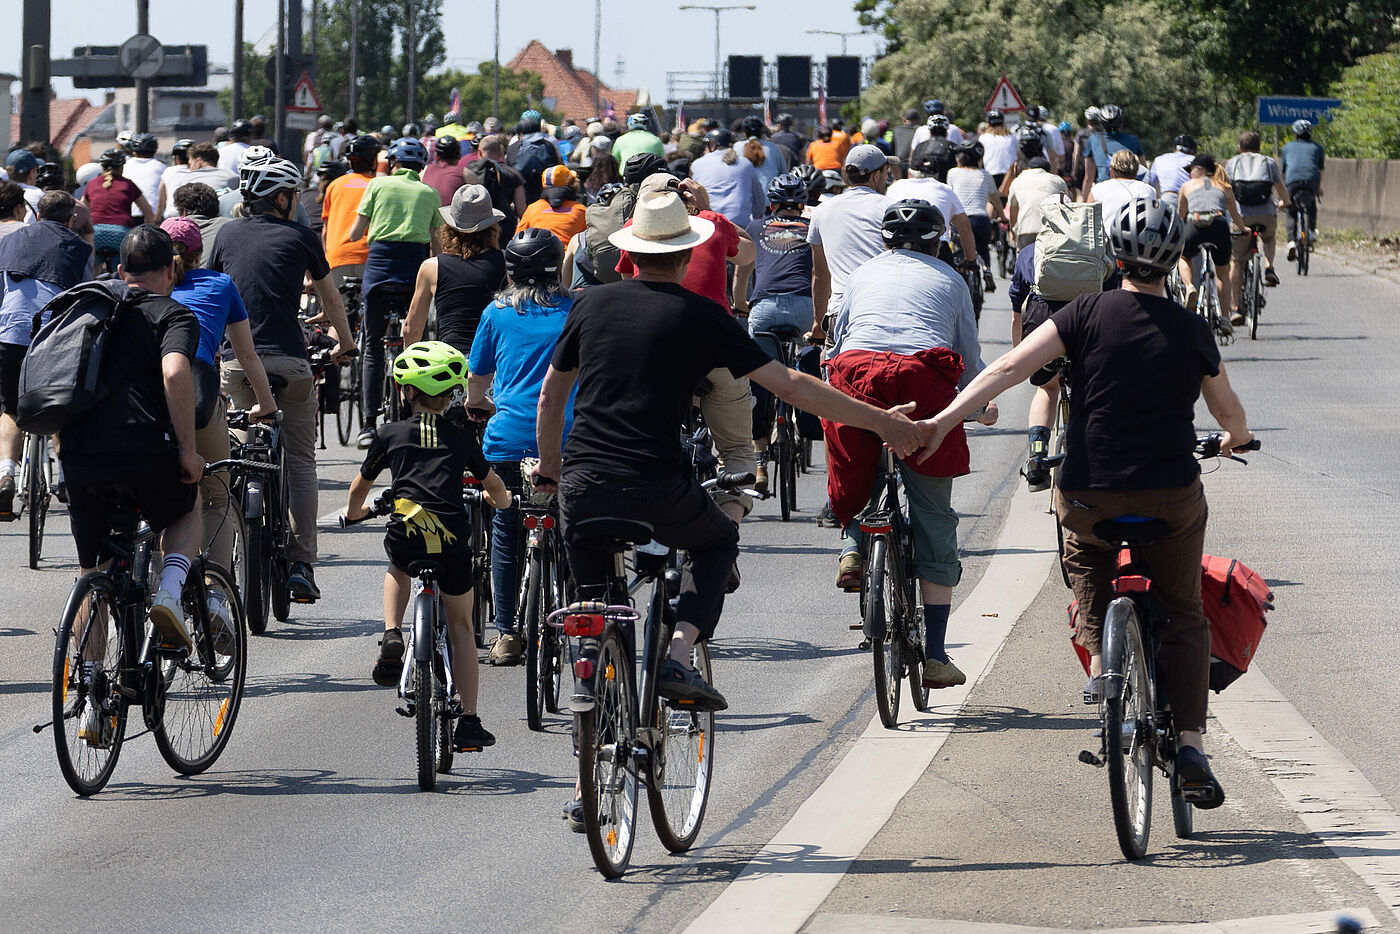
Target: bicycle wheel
1254, 295
483, 604
345, 424
36, 485
258, 594
1130, 733
781, 455
424, 723
607, 770
203, 690
442, 705
555, 647
682, 765
88, 659
1305, 248
913, 631
535, 663
974, 287
880, 606
281, 597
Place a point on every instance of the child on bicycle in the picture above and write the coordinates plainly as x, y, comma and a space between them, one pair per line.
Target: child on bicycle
427, 454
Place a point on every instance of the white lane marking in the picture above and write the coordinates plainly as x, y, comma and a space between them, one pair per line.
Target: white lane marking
789, 879
1329, 794
1317, 922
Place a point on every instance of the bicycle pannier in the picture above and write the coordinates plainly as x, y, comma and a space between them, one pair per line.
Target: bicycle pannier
61, 379
1071, 251
1236, 600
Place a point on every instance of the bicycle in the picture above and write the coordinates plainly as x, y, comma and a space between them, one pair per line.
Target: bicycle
391, 406
107, 658
350, 412
1136, 732
626, 734
542, 592
1001, 244
1252, 299
1208, 302
1305, 210
891, 608
36, 474
785, 449
267, 528
483, 606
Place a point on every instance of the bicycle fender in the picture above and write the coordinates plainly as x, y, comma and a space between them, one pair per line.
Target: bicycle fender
423, 627
1115, 623
253, 501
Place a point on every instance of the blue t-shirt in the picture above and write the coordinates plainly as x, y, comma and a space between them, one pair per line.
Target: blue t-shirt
1302, 162
515, 346
215, 301
783, 257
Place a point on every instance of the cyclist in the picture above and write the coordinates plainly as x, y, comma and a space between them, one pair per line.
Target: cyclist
462, 279
1122, 184
773, 162
509, 358
905, 327
428, 455
1208, 203
826, 152
638, 138
845, 231
1257, 179
977, 191
399, 213
1030, 144
340, 210
172, 177
198, 202
1138, 363
1303, 162
240, 136
904, 138
532, 152
505, 184
143, 168
815, 182
936, 108
733, 184
22, 165
51, 177
624, 455
998, 146
445, 175
1112, 116
268, 257
37, 262
110, 198
924, 185
792, 143
1168, 171
1028, 192
204, 168
560, 209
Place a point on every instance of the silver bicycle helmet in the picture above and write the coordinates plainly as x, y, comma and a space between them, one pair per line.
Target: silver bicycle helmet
1302, 128
266, 177
1146, 235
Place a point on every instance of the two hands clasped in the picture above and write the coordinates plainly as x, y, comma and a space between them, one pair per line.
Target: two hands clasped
922, 438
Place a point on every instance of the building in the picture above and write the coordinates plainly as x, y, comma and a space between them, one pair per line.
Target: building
175, 112
569, 91
70, 122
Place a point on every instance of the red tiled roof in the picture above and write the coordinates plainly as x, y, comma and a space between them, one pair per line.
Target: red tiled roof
68, 118
571, 88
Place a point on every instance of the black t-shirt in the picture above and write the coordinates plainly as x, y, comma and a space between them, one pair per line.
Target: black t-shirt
267, 257
641, 349
427, 455
1136, 365
783, 257
502, 191
133, 418
464, 288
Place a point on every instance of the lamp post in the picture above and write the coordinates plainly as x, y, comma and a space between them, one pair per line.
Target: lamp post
717, 10
835, 32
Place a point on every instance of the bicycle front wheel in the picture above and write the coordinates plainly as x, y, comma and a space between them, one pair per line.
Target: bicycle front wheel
682, 764
36, 484
881, 604
536, 664
89, 715
204, 689
607, 769
1130, 732
257, 573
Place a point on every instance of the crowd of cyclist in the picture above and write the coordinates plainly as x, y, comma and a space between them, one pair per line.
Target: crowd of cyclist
561, 268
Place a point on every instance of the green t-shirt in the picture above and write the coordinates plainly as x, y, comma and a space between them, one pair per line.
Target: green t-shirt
633, 142
400, 208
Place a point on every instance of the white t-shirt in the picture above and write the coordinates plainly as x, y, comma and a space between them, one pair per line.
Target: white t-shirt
999, 152
32, 194
848, 230
170, 180
1028, 191
145, 173
973, 187
1052, 133
922, 135
1113, 193
935, 193
231, 154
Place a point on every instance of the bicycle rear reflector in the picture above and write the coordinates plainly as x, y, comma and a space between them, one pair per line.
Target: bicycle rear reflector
584, 625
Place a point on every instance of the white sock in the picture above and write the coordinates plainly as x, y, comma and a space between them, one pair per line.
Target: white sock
7, 467
173, 574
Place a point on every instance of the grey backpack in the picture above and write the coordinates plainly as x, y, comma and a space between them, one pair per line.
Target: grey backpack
1071, 251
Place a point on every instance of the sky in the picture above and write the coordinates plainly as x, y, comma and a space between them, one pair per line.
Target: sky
631, 29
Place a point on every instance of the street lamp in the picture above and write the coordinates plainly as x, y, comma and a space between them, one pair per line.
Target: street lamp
835, 32
717, 10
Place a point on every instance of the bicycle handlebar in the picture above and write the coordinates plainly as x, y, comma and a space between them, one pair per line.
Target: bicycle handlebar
382, 506
1209, 446
731, 483
257, 466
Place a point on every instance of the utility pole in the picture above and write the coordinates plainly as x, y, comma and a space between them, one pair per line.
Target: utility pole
412, 57
296, 63
496, 70
34, 95
143, 87
279, 73
236, 95
354, 59
597, 57
717, 10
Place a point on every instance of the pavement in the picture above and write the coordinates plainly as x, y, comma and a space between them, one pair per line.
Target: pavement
975, 818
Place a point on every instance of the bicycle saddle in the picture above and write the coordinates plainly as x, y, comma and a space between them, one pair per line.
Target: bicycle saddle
352, 280
610, 533
123, 516
1132, 530
783, 332
423, 566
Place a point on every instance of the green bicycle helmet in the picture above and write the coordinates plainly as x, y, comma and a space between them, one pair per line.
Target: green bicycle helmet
431, 367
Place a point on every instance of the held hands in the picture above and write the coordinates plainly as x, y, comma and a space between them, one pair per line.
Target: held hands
899, 433
933, 431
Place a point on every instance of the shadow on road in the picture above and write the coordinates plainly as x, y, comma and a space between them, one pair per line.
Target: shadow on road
270, 782
775, 650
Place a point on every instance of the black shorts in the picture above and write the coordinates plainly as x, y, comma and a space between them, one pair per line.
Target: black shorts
152, 481
11, 359
1037, 312
453, 562
1214, 237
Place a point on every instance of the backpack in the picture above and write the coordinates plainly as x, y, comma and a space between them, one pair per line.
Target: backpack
490, 174
1235, 599
61, 379
604, 218
1071, 251
1252, 181
534, 156
940, 151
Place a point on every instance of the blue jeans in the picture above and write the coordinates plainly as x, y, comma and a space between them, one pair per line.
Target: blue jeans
506, 549
775, 311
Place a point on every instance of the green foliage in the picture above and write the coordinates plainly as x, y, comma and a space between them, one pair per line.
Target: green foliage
876, 16
254, 83
1368, 124
382, 58
519, 91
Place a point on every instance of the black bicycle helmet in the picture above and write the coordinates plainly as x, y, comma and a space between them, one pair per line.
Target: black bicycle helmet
240, 129
411, 129
447, 148
811, 176
363, 145
181, 145
787, 189
1185, 143
144, 145
332, 169
720, 137
934, 106
112, 159
752, 126
996, 118
974, 146
912, 224
49, 177
1146, 236
1029, 138
607, 192
533, 256
640, 165
1112, 116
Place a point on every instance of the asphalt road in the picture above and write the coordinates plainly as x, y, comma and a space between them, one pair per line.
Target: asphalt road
312, 819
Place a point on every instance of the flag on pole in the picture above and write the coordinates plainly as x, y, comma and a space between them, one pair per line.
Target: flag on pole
680, 117
821, 104
609, 112
454, 105
767, 112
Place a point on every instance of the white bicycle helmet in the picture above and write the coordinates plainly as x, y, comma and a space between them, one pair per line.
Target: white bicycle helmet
255, 154
266, 177
1145, 234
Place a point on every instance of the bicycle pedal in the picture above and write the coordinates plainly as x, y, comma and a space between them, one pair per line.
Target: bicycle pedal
1088, 758
404, 711
303, 600
857, 627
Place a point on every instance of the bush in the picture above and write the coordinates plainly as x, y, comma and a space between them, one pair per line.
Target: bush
1367, 126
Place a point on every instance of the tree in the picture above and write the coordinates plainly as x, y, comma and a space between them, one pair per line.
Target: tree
254, 84
519, 91
1367, 126
382, 60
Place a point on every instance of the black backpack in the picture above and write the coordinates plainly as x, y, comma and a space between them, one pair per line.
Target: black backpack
939, 151
533, 156
60, 381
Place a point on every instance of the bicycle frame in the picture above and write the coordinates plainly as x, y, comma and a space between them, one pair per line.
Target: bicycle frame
426, 640
888, 520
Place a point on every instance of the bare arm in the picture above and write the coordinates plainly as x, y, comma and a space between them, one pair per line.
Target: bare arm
359, 228
240, 337
566, 268
478, 384
741, 288
747, 251
812, 395
160, 201
497, 496
519, 201
995, 203
963, 227
334, 310
1236, 221
549, 421
179, 400
355, 502
821, 289
147, 215
423, 290
1227, 410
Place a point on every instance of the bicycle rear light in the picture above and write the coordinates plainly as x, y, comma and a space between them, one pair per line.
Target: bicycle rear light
1131, 583
583, 669
885, 529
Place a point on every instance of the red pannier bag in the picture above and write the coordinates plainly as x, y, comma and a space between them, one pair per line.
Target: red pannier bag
1235, 600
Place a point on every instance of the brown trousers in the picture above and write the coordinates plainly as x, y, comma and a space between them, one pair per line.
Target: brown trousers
1174, 565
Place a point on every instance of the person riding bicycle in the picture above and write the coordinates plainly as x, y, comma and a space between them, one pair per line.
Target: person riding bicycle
1206, 203
1028, 192
144, 169
268, 258
1303, 161
399, 213
1138, 362
445, 174
461, 280
509, 357
427, 456
22, 166
977, 191
560, 208
1122, 183
1170, 170
638, 138
110, 198
998, 145
172, 177
924, 184
1257, 179
905, 329
340, 210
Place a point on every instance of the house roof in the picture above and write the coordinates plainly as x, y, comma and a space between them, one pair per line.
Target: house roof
68, 118
570, 87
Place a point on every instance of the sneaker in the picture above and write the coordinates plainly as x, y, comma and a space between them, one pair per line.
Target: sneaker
390, 665
1236, 319
1037, 477
365, 439
688, 689
470, 735
826, 519
573, 815
90, 724
169, 620
989, 283
1292, 250
849, 572
221, 624
508, 650
1092, 691
1193, 295
760, 482
1270, 277
940, 674
1198, 784
7, 497
301, 582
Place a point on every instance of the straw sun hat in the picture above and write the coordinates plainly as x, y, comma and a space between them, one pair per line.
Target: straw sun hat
661, 224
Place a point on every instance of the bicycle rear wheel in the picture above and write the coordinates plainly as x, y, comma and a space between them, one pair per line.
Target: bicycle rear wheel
258, 594
1183, 811
204, 689
442, 711
782, 457
483, 603
678, 788
1130, 732
914, 650
607, 769
536, 674
424, 723
885, 645
36, 483
87, 662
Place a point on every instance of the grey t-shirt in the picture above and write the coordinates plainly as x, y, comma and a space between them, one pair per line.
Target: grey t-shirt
848, 229
1254, 166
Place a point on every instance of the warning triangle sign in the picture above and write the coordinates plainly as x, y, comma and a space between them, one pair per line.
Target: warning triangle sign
304, 96
1005, 98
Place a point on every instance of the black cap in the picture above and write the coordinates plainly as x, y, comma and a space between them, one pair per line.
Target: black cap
146, 248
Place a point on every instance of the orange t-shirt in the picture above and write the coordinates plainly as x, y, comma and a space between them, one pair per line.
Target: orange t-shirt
843, 143
825, 155
563, 223
338, 214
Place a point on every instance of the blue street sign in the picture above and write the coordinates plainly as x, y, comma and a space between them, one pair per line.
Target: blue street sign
1281, 111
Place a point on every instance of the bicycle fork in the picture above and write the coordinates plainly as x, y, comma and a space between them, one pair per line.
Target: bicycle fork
421, 639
